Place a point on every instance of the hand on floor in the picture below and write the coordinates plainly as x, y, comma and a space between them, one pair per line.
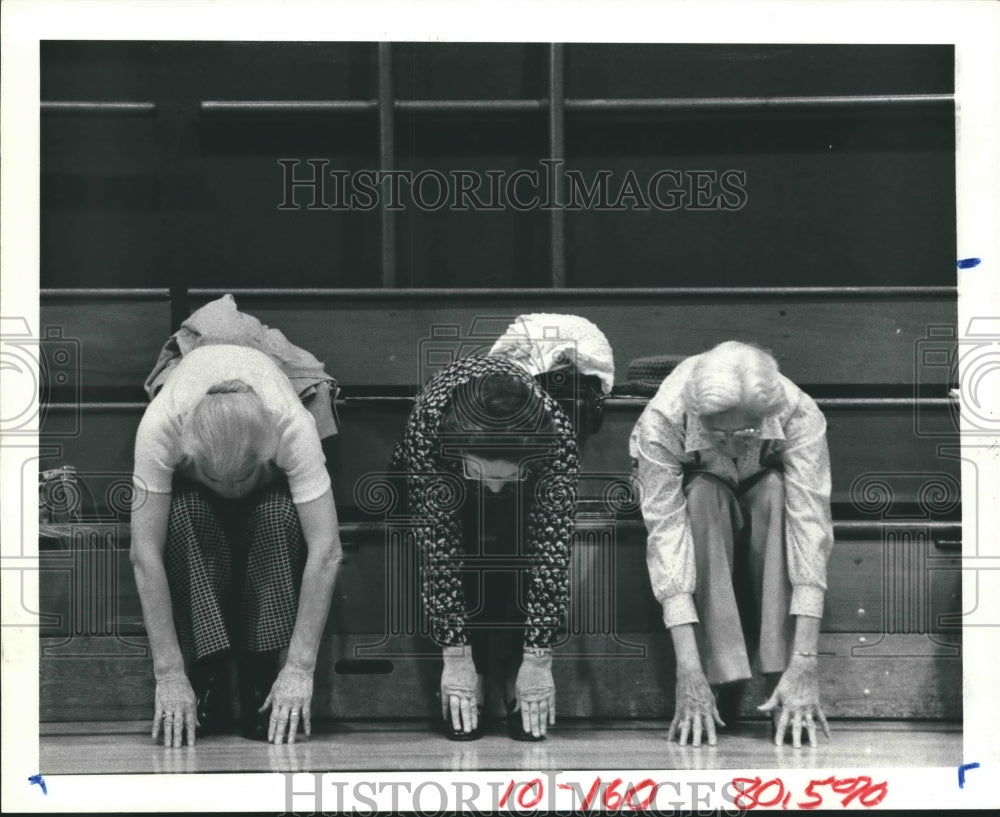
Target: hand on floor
459, 684
536, 693
695, 711
176, 709
796, 701
290, 699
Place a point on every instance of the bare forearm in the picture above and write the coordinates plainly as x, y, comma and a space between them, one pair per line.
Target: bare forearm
806, 638
685, 648
314, 607
322, 535
158, 614
149, 534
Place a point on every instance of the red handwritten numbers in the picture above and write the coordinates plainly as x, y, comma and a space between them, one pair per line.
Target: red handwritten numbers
752, 792
745, 793
614, 795
614, 800
529, 794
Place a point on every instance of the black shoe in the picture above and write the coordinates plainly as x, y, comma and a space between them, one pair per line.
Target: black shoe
210, 682
452, 733
728, 700
257, 673
515, 728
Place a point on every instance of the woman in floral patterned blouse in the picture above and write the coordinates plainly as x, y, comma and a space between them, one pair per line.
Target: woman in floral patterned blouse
488, 451
732, 461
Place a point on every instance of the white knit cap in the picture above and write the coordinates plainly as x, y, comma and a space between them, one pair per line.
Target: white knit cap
544, 342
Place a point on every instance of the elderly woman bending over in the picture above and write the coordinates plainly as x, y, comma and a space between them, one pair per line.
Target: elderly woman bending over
486, 427
234, 543
503, 430
734, 471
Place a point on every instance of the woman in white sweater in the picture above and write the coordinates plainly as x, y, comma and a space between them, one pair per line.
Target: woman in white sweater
235, 545
734, 472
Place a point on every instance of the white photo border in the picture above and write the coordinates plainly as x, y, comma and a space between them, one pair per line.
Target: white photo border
973, 27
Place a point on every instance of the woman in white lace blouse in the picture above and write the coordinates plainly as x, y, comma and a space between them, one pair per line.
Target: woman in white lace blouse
732, 462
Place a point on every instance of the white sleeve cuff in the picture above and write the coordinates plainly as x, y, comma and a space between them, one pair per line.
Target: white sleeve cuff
679, 609
807, 601
311, 490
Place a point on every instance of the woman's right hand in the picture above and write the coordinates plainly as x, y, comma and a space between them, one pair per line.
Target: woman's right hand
176, 709
695, 711
459, 684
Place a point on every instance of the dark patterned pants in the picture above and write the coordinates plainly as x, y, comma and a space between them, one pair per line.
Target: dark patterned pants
495, 595
234, 568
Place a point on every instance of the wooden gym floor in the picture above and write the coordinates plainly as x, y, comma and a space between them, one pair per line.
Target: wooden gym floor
126, 747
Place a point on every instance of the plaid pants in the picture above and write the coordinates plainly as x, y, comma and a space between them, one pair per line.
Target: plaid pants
234, 568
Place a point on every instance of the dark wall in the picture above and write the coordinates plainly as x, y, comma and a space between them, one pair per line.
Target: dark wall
834, 196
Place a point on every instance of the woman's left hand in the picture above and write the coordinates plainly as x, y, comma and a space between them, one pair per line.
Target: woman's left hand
796, 698
536, 693
290, 698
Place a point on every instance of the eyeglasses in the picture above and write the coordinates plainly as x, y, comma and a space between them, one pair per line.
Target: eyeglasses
738, 434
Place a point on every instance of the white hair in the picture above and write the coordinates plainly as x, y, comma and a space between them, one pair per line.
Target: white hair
735, 375
229, 431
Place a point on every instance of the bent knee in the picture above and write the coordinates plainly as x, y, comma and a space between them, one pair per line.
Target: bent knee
189, 504
276, 507
706, 488
769, 489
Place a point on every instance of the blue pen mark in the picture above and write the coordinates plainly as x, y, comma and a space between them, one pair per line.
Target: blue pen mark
961, 773
38, 780
968, 263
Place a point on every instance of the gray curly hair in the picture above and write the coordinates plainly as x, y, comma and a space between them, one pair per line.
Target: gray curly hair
735, 375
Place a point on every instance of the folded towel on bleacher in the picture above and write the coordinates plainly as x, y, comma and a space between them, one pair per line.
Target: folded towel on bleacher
220, 321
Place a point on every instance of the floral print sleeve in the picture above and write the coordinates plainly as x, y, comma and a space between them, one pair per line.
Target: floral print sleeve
435, 491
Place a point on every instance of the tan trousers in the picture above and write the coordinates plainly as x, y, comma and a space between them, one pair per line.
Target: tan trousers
742, 591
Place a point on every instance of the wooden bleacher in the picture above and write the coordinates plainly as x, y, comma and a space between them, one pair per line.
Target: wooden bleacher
160, 184
891, 633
